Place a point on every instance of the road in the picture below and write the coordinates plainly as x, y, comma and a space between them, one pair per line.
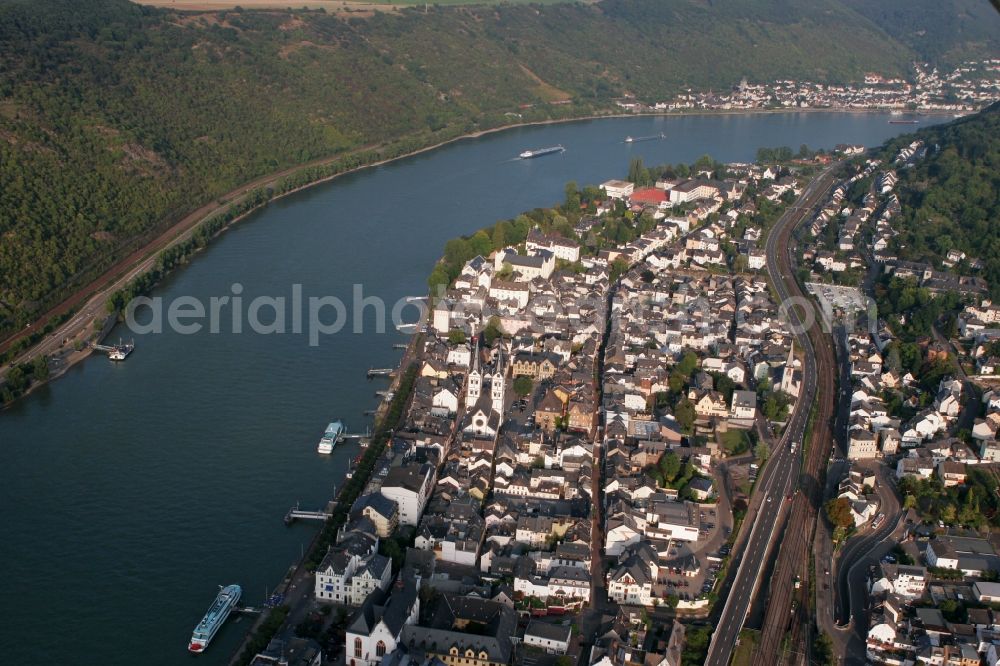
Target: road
787, 615
851, 566
782, 471
823, 555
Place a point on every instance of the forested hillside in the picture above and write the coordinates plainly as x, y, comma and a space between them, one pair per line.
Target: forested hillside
951, 199
937, 30
116, 119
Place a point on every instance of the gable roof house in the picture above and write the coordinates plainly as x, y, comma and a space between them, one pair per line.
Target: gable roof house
376, 629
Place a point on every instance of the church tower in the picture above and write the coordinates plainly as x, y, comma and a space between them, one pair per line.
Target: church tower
788, 383
497, 383
474, 387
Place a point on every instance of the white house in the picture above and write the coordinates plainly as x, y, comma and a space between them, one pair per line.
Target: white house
565, 583
444, 402
410, 486
459, 355
692, 190
862, 444
553, 638
562, 248
348, 577
526, 268
743, 406
618, 189
516, 292
631, 582
620, 535
987, 593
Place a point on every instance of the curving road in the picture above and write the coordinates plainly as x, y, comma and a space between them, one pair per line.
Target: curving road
784, 466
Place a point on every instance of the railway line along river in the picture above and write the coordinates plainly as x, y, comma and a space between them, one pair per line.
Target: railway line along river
130, 491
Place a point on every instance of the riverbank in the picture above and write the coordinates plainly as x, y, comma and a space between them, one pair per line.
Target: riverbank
199, 444
296, 588
94, 296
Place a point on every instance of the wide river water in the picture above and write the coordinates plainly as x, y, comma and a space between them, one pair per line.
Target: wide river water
130, 491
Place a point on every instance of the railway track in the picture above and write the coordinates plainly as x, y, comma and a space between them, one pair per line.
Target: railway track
786, 625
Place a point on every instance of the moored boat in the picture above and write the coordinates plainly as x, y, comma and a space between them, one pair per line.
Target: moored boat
120, 351
334, 433
217, 613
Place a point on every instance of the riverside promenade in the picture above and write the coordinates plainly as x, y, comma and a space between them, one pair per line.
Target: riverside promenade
296, 588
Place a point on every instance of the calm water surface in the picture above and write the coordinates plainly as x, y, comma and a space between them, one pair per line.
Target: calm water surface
130, 491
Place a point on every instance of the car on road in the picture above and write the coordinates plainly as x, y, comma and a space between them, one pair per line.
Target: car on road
768, 498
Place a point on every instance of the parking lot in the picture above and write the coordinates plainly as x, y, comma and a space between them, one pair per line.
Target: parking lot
848, 300
709, 551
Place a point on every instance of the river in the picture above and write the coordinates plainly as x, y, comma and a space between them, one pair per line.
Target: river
131, 490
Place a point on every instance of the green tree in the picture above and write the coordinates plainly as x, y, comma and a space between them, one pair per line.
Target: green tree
618, 268
685, 414
456, 336
492, 331
637, 173
762, 452
688, 364
438, 280
572, 199
457, 251
670, 466
676, 382
523, 386
499, 236
696, 645
40, 368
838, 512
704, 163
823, 649
481, 243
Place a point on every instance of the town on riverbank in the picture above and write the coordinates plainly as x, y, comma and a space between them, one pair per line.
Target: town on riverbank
965, 89
604, 417
597, 388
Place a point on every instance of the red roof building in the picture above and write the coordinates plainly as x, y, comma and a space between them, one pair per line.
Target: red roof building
649, 195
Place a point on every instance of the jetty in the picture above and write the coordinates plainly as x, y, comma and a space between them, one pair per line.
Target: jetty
380, 372
248, 610
298, 513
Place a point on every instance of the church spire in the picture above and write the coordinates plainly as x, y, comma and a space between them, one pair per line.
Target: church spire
474, 386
